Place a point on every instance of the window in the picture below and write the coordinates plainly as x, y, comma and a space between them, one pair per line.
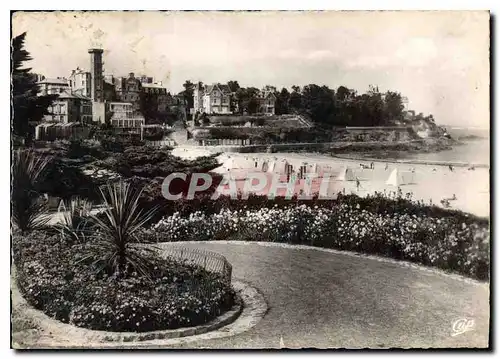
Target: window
83, 82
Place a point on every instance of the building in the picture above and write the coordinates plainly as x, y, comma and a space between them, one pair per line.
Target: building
214, 98
97, 77
158, 96
130, 125
70, 108
109, 79
128, 89
54, 86
405, 102
80, 81
267, 100
120, 110
60, 131
38, 77
97, 85
146, 79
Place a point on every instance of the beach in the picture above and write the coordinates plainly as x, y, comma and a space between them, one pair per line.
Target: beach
431, 182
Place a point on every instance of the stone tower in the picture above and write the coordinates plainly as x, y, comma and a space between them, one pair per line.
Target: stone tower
96, 73
97, 85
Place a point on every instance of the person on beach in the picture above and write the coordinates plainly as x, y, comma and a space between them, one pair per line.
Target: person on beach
434, 170
357, 184
451, 168
372, 166
386, 166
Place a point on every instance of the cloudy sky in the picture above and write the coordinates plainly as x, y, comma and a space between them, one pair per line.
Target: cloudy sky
440, 60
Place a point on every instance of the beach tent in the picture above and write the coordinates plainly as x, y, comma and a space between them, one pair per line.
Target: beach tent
313, 168
398, 178
271, 166
346, 174
281, 167
239, 163
246, 163
229, 163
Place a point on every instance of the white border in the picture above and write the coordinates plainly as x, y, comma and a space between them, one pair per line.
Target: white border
193, 5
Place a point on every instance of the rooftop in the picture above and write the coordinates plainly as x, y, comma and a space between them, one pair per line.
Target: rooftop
155, 85
67, 94
56, 81
120, 103
69, 124
222, 87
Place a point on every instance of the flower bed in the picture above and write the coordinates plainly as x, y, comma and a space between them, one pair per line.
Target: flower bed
452, 241
175, 295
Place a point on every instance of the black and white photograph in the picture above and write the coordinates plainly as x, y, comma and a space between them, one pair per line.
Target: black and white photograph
250, 180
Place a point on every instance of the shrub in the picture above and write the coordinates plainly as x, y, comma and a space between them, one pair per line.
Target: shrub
53, 280
110, 249
27, 208
453, 243
76, 222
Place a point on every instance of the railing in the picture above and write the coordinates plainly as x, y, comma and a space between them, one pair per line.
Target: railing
163, 143
210, 261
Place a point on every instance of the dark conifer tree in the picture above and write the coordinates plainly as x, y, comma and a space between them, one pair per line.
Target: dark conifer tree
27, 107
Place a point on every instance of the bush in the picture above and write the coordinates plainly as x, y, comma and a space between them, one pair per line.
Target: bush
452, 241
28, 211
176, 295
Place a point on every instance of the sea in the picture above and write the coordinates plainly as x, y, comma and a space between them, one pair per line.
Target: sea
474, 150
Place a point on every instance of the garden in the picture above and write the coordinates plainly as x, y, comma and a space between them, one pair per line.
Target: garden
389, 225
91, 270
102, 271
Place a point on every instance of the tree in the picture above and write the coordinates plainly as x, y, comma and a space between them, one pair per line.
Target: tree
27, 107
253, 106
295, 99
318, 103
188, 93
393, 107
247, 99
148, 107
233, 85
282, 101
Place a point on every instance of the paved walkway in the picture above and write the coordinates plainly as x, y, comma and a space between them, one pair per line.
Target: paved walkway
323, 299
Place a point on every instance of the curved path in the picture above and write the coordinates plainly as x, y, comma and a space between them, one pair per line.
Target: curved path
329, 299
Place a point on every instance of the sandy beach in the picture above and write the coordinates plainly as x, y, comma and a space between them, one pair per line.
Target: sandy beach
432, 182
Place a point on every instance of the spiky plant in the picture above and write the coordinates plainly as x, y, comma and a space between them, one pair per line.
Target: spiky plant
75, 225
113, 246
28, 211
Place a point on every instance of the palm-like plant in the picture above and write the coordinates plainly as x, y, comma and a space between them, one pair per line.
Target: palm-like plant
113, 246
75, 224
28, 211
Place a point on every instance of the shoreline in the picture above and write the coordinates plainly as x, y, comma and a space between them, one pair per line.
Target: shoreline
411, 161
355, 155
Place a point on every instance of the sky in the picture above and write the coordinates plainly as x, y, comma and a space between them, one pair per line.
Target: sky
439, 60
